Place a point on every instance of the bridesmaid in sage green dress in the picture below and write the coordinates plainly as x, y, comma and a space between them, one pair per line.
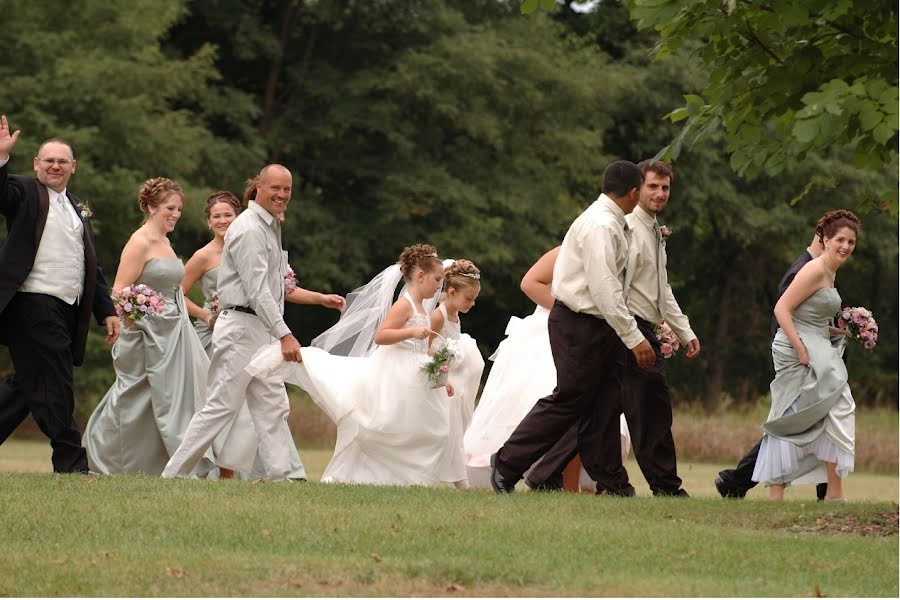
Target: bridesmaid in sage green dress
811, 431
160, 365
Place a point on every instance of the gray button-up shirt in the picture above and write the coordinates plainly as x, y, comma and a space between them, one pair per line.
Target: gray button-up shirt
253, 268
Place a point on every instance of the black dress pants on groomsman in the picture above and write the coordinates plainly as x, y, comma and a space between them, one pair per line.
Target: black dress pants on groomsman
38, 329
589, 357
647, 405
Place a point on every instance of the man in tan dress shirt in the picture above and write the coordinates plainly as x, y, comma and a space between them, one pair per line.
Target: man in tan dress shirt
645, 394
591, 332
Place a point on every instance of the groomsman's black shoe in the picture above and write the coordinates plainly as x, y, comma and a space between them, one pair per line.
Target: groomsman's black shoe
554, 484
679, 493
624, 492
498, 482
726, 491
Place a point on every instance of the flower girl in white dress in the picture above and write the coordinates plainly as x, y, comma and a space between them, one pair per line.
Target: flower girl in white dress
392, 427
462, 283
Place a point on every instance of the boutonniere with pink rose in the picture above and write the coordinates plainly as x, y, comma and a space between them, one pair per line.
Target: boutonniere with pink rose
84, 211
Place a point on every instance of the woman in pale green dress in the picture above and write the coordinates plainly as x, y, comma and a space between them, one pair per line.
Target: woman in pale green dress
159, 361
810, 431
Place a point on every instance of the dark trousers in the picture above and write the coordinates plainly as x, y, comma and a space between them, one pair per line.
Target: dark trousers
738, 479
648, 409
589, 359
39, 330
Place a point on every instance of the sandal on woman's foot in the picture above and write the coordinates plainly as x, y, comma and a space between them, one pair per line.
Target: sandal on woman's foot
841, 499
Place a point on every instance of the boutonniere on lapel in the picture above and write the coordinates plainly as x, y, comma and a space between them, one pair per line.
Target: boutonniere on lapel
83, 211
664, 232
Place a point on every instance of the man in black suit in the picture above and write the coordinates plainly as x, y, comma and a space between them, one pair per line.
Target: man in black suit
735, 483
50, 284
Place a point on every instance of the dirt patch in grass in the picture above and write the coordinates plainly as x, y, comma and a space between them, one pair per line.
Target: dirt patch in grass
878, 524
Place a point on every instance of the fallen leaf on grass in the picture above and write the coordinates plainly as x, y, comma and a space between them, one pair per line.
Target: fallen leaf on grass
455, 587
176, 572
376, 558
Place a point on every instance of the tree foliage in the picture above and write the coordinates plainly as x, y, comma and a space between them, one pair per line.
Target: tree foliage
785, 78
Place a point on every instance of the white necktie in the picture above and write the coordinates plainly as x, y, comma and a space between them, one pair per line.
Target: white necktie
660, 273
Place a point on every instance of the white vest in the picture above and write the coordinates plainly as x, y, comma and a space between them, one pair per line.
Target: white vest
59, 264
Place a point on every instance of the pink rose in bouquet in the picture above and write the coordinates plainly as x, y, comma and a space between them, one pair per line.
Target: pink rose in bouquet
669, 343
290, 281
859, 321
133, 302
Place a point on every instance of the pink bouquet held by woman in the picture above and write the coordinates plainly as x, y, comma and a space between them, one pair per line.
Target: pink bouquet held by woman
669, 343
859, 321
290, 281
134, 301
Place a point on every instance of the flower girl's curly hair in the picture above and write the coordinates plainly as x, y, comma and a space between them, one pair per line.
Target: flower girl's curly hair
153, 192
462, 274
418, 256
832, 221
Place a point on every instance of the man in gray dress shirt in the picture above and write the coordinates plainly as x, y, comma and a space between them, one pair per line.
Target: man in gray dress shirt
251, 292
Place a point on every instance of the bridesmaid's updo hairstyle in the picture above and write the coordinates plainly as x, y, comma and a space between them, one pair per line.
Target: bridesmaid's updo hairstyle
462, 274
419, 256
833, 221
250, 190
154, 191
222, 196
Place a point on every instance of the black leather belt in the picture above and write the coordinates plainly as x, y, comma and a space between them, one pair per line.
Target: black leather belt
244, 309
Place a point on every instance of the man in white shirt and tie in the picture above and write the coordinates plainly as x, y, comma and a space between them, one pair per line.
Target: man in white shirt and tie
591, 332
50, 286
645, 394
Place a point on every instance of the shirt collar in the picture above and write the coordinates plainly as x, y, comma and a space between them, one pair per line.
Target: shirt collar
644, 217
614, 208
61, 194
265, 215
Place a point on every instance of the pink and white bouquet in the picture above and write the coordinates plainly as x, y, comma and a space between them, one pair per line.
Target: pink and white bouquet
134, 301
290, 281
859, 321
669, 343
437, 370
213, 303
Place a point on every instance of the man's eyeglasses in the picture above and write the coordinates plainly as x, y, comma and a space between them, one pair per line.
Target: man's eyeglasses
49, 162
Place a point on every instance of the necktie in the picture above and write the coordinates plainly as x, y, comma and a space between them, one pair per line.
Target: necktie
660, 273
65, 211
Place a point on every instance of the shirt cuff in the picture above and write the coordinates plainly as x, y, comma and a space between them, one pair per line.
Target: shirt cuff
280, 330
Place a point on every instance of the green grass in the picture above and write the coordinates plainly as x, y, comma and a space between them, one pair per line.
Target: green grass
65, 535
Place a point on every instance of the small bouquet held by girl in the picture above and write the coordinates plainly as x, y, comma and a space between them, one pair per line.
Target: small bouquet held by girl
437, 369
669, 343
133, 302
859, 321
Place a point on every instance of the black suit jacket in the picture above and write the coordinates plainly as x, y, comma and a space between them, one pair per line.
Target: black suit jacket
786, 281
24, 201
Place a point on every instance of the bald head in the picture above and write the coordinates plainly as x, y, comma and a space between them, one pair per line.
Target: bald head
273, 188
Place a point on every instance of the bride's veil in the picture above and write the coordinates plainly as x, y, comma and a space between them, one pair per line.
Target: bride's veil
367, 306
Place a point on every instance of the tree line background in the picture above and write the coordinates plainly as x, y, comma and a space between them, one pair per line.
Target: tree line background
461, 123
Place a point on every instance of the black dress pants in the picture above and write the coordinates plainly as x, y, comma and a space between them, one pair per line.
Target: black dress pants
39, 330
589, 358
647, 406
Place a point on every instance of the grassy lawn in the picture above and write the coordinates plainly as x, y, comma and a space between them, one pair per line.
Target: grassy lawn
65, 535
